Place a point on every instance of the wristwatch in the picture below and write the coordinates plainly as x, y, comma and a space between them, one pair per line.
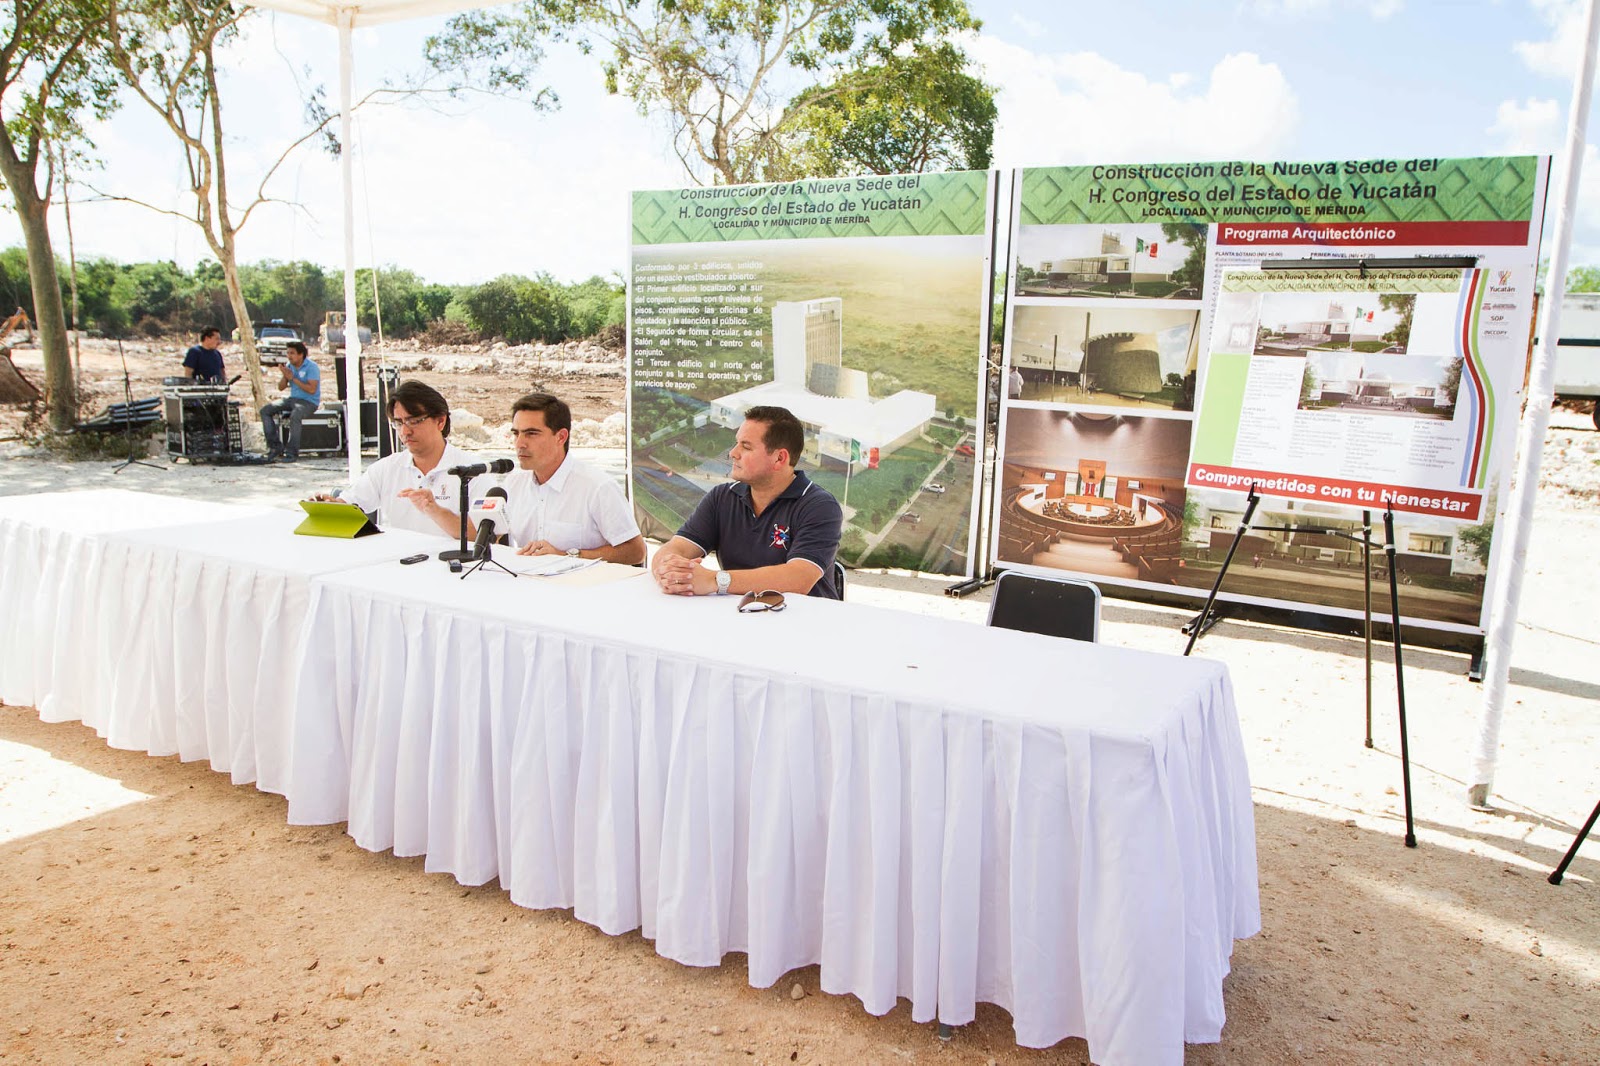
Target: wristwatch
572, 553
724, 579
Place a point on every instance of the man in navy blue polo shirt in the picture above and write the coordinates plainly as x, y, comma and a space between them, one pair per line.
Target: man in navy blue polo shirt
770, 527
202, 363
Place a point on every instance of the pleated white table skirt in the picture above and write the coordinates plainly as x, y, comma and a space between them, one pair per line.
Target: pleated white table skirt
926, 809
169, 626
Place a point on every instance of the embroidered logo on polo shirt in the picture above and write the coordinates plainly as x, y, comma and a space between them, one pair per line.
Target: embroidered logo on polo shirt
780, 536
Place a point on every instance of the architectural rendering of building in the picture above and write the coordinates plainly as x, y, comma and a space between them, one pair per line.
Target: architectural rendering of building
843, 423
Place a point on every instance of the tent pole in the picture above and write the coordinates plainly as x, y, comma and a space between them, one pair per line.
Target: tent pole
1507, 588
352, 325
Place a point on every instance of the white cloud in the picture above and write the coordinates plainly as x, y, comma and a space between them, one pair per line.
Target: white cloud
1069, 108
1031, 27
1536, 126
458, 195
1558, 54
1533, 126
1586, 226
1378, 9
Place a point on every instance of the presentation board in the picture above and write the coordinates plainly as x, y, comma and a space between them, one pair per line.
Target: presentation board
1158, 364
860, 304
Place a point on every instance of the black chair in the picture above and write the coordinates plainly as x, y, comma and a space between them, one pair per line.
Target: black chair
1053, 606
838, 578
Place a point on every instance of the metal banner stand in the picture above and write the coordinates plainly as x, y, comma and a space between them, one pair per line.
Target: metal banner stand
1366, 591
1572, 852
1205, 620
1399, 671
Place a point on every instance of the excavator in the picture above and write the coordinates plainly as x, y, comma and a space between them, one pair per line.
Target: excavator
14, 388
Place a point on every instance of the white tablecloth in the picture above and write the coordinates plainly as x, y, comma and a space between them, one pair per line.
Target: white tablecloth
51, 547
177, 638
926, 808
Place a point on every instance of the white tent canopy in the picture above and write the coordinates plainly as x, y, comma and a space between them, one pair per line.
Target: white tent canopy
370, 12
346, 17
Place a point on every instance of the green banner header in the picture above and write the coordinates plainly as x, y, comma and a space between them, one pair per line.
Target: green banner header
1498, 188
903, 205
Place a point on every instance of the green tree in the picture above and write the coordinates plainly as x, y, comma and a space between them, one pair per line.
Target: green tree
713, 66
1309, 383
520, 309
594, 304
408, 301
1579, 278
1192, 274
52, 77
97, 305
16, 288
1583, 279
297, 291
1406, 304
1479, 539
1451, 381
150, 291
910, 114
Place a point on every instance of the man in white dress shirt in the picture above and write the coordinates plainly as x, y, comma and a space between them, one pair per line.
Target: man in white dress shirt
411, 489
558, 505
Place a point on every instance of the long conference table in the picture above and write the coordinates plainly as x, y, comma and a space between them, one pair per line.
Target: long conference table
924, 808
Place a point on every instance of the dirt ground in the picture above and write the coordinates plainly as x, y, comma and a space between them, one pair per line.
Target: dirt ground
153, 912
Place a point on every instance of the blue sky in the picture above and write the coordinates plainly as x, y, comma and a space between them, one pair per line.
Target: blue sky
464, 192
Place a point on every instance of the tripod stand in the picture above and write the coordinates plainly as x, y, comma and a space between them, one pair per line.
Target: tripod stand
127, 419
488, 559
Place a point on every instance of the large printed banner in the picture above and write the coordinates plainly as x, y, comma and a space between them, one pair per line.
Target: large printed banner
1159, 365
860, 304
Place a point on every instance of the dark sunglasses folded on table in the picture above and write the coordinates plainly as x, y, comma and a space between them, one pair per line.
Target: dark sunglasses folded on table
756, 602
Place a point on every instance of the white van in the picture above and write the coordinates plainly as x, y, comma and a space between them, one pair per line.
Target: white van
1578, 353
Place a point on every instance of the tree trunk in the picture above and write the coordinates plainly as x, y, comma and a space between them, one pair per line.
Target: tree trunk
222, 242
247, 333
61, 397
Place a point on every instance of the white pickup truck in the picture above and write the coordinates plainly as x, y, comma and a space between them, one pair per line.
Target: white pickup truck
1578, 353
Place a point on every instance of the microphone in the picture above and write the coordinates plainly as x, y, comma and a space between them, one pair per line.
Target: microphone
498, 466
489, 512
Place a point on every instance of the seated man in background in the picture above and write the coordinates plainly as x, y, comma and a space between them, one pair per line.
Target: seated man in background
411, 489
202, 363
304, 381
771, 527
558, 505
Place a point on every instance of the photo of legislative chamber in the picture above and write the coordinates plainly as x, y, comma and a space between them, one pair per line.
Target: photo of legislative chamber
1094, 493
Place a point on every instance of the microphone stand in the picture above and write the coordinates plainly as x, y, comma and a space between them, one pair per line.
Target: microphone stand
127, 419
462, 553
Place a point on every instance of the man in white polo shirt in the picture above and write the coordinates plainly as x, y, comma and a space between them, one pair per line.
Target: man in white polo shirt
411, 489
558, 505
